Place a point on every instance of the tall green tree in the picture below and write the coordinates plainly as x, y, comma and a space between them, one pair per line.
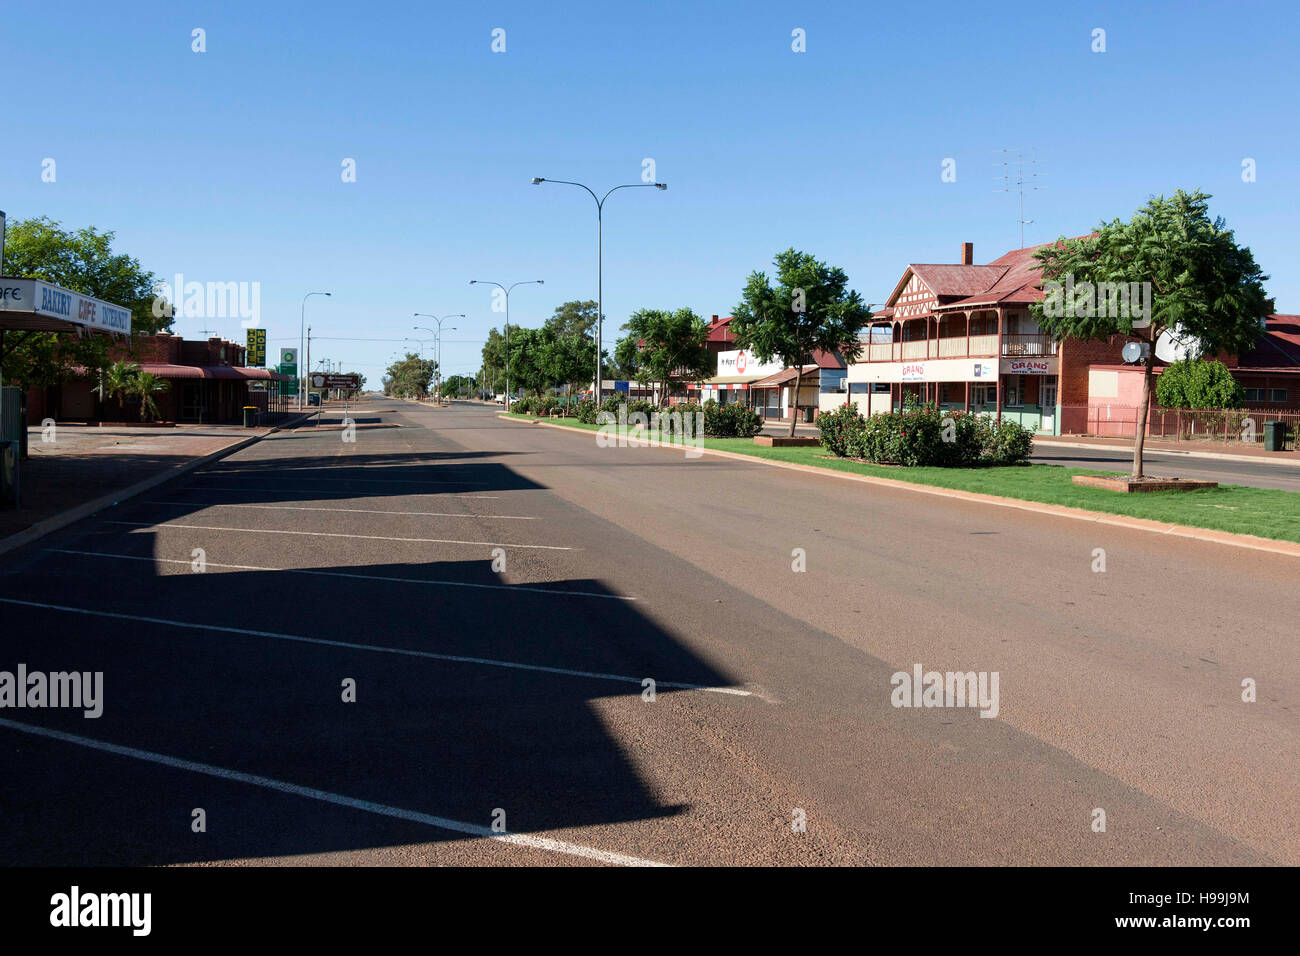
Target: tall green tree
810, 308
574, 318
84, 261
494, 360
663, 346
409, 377
1202, 283
567, 358
528, 369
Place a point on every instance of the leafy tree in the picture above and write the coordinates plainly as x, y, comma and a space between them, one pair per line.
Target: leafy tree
528, 361
568, 360
410, 377
494, 359
1201, 282
665, 345
85, 262
810, 309
1199, 383
574, 318
458, 385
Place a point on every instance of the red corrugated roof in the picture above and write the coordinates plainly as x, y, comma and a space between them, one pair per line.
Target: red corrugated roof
1278, 348
946, 279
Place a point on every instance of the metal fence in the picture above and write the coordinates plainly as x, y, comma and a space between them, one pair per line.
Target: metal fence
1223, 425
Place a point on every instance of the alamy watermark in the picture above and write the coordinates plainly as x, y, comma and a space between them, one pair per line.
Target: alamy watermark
923, 688
82, 690
637, 430
209, 300
1091, 300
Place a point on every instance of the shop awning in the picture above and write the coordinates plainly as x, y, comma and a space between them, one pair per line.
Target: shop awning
39, 306
783, 377
723, 382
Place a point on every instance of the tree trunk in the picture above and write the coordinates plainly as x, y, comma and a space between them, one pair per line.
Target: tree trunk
794, 412
1143, 410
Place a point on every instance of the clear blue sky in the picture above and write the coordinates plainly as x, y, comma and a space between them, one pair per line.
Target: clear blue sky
225, 165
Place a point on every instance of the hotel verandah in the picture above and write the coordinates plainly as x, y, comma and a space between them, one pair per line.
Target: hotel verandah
962, 335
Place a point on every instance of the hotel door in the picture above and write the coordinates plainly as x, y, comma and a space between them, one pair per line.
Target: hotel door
1047, 400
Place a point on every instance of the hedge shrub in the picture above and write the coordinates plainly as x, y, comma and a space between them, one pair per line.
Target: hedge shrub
924, 436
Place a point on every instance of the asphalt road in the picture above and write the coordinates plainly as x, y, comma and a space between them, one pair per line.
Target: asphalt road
514, 694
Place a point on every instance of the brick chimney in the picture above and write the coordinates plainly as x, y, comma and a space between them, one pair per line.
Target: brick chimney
968, 253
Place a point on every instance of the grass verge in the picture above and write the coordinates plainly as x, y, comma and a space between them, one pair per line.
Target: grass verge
1264, 512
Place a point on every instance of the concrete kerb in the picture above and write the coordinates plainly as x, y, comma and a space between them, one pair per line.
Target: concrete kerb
1289, 548
84, 510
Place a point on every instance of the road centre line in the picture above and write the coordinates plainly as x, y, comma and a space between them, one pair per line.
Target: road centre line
336, 534
375, 648
352, 574
362, 511
325, 796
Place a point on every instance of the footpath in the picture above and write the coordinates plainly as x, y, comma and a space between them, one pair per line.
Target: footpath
79, 470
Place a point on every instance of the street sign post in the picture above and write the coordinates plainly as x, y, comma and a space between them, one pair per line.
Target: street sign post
335, 380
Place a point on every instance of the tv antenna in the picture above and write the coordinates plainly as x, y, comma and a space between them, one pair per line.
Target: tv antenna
1013, 165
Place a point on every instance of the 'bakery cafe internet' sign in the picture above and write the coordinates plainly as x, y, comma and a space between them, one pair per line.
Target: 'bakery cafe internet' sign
48, 301
1029, 367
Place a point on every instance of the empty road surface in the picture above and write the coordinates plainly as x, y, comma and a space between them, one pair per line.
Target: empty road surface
460, 639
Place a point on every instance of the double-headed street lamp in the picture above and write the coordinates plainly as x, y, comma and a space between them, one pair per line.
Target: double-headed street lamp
302, 356
437, 346
506, 290
600, 290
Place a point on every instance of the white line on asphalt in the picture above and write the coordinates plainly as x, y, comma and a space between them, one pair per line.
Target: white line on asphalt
335, 534
368, 481
359, 577
320, 491
401, 651
325, 796
360, 511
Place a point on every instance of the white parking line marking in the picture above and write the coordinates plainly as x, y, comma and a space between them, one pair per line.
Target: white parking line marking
360, 511
359, 577
368, 481
320, 491
325, 796
335, 534
401, 651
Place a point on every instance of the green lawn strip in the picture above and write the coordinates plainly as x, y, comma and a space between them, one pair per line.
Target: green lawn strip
1264, 512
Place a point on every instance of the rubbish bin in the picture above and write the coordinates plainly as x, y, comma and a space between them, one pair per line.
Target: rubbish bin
250, 415
1274, 436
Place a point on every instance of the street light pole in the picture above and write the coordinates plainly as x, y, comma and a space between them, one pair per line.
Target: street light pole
507, 292
302, 356
437, 345
600, 265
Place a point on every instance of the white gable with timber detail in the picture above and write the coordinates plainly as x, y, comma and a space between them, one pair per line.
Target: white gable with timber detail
912, 298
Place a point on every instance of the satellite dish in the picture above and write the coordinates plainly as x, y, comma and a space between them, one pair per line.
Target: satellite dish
1135, 351
1173, 346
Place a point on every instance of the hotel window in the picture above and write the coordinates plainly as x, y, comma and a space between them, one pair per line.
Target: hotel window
1266, 396
1047, 393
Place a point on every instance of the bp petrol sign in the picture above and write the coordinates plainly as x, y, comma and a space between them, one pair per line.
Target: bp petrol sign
289, 366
